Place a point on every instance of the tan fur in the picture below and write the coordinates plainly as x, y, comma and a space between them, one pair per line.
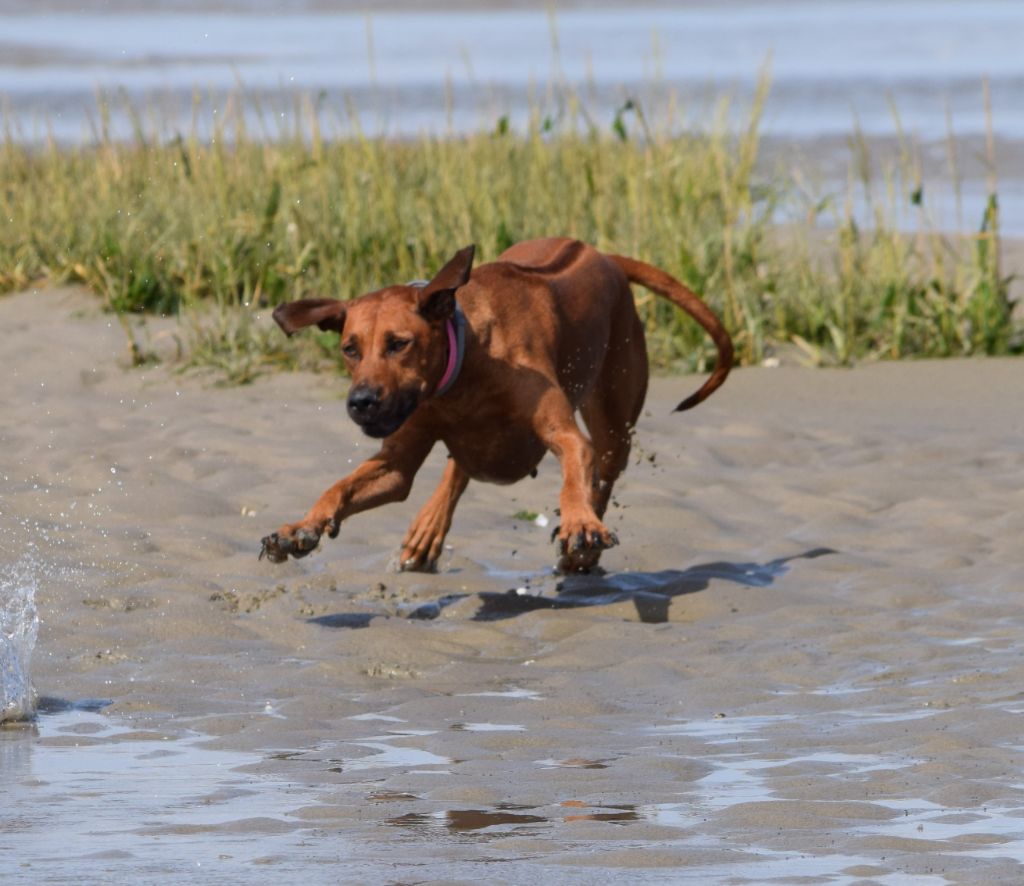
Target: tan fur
551, 330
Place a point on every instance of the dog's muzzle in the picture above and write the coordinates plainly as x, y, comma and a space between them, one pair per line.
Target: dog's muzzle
377, 415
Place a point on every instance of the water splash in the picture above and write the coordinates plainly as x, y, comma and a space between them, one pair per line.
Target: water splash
19, 624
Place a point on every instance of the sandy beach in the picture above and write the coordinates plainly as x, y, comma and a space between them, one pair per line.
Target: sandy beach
805, 662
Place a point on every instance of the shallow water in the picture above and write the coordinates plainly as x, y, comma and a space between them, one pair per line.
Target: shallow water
829, 61
95, 796
85, 795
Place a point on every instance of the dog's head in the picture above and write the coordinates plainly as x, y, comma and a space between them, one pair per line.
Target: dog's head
394, 342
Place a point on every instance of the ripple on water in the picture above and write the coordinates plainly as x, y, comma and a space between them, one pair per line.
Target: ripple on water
991, 831
81, 785
487, 727
389, 756
510, 692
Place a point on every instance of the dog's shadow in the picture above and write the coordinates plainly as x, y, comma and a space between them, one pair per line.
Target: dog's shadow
650, 592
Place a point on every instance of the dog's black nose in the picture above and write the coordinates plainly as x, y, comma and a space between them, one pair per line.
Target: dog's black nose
363, 403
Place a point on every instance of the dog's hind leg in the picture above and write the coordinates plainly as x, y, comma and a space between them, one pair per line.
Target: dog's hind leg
425, 539
610, 412
581, 531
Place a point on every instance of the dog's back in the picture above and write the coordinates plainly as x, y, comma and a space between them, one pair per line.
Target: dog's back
555, 297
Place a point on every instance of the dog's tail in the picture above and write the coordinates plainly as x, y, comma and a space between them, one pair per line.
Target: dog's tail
668, 287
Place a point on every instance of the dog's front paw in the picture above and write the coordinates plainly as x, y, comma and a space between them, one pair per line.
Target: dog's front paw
581, 536
580, 545
295, 542
416, 562
420, 551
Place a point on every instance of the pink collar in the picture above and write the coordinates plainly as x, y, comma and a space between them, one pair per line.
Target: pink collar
456, 329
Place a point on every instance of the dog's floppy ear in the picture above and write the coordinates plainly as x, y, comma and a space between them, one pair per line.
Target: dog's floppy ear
437, 298
327, 313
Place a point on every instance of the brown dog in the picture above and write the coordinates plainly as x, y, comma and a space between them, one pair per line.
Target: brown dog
548, 329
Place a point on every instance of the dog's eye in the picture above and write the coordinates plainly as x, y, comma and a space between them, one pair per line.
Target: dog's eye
397, 345
350, 350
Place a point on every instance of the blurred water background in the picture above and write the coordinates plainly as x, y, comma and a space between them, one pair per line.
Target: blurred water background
400, 69
831, 63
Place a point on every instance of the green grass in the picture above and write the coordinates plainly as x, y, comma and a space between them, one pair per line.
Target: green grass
219, 230
525, 516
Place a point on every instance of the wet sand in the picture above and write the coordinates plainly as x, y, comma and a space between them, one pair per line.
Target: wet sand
805, 660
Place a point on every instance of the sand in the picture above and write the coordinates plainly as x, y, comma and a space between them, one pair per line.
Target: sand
805, 661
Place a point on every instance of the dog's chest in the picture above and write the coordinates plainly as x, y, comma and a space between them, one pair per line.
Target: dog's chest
497, 454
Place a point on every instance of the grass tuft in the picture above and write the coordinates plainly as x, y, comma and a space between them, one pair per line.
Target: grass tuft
218, 230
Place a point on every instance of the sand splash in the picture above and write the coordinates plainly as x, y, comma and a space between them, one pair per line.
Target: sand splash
19, 624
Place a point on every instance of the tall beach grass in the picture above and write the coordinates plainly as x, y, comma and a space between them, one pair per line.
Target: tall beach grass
218, 229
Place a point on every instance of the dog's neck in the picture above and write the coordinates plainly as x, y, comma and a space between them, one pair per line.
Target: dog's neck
455, 328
